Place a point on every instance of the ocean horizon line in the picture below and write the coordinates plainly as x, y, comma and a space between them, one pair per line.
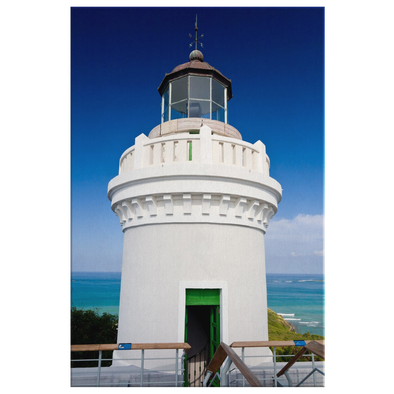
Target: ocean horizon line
267, 273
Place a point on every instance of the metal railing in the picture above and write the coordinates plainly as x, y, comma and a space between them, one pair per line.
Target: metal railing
131, 375
314, 347
267, 374
135, 371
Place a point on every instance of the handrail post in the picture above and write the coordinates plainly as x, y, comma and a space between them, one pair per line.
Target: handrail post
243, 360
225, 380
207, 376
289, 378
275, 377
142, 366
176, 368
183, 367
99, 368
313, 368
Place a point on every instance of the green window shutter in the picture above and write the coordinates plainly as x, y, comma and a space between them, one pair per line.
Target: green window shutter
202, 297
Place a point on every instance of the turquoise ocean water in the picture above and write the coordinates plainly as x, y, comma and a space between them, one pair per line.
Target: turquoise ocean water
298, 298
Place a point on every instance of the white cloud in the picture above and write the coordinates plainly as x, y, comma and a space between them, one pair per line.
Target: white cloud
319, 252
301, 227
294, 254
295, 242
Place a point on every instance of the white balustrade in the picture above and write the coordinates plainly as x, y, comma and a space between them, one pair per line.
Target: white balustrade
203, 148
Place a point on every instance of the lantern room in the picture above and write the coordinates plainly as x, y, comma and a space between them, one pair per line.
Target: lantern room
195, 90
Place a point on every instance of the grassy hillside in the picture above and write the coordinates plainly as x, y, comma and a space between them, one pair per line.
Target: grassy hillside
280, 330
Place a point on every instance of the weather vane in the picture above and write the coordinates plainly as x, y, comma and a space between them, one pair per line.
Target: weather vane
197, 38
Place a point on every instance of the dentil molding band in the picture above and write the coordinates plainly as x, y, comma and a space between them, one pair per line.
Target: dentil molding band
194, 208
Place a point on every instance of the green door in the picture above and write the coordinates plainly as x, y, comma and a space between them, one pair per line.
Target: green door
215, 335
215, 329
211, 299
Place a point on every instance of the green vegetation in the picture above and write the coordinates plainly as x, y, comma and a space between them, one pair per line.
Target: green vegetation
280, 330
88, 328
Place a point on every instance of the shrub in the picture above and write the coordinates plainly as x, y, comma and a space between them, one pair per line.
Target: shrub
89, 327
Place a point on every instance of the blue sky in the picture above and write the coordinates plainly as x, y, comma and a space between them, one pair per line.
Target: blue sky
275, 60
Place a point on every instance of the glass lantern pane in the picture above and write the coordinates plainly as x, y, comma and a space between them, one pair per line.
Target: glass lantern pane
165, 105
179, 110
166, 98
200, 87
199, 109
218, 114
177, 115
218, 92
179, 90
165, 115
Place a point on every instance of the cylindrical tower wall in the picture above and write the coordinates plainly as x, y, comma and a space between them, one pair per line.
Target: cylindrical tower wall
161, 261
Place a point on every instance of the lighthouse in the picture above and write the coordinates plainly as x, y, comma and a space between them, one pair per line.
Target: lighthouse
194, 202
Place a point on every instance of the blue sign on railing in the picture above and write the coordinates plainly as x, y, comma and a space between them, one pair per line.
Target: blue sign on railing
299, 343
124, 346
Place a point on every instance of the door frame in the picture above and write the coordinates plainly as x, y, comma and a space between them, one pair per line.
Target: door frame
222, 286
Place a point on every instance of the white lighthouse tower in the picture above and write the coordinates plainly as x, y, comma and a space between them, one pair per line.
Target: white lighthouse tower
194, 201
